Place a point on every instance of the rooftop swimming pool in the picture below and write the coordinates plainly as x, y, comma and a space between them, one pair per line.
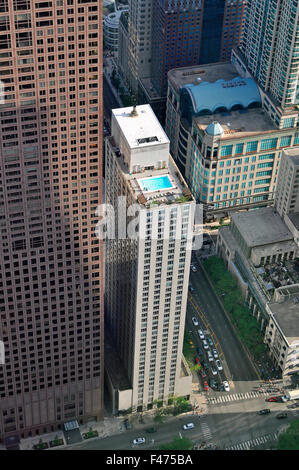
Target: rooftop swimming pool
156, 183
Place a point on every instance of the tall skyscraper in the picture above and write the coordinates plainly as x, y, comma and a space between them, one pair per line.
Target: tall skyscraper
270, 48
165, 34
146, 283
50, 181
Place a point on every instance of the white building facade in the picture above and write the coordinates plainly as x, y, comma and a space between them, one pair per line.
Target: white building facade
147, 277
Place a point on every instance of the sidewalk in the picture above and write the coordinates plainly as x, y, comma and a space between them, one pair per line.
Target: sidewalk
105, 428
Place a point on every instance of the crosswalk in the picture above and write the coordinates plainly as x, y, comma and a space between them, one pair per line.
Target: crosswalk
258, 441
206, 430
236, 397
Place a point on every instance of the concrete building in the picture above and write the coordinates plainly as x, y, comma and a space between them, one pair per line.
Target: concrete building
287, 195
51, 295
260, 251
282, 332
147, 275
111, 29
222, 139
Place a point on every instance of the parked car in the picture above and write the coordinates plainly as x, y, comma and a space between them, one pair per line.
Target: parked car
281, 415
195, 321
215, 354
264, 412
201, 335
221, 388
210, 342
226, 386
188, 426
194, 269
219, 365
210, 356
213, 384
214, 370
203, 374
139, 440
206, 386
199, 351
205, 366
205, 344
273, 399
197, 360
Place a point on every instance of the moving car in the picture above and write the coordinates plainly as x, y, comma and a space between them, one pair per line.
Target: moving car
214, 370
193, 268
201, 335
139, 440
293, 405
281, 415
151, 430
210, 342
215, 354
205, 344
264, 412
226, 385
195, 321
206, 386
210, 356
188, 426
219, 365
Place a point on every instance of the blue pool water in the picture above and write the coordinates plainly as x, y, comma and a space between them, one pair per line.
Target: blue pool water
156, 183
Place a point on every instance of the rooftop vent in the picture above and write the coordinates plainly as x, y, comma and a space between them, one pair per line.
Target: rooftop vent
146, 140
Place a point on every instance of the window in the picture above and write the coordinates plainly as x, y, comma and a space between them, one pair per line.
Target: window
239, 148
285, 141
226, 150
268, 144
251, 146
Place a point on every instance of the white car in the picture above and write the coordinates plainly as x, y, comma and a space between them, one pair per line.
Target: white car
214, 370
215, 353
193, 268
201, 335
139, 440
219, 365
188, 426
226, 386
205, 344
210, 356
195, 321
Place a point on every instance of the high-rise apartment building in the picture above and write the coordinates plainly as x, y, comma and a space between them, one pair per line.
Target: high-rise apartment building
287, 192
146, 283
50, 181
269, 49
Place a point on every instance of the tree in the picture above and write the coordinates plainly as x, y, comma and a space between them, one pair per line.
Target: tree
289, 440
177, 444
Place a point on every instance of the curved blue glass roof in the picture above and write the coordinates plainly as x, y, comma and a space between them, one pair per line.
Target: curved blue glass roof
222, 95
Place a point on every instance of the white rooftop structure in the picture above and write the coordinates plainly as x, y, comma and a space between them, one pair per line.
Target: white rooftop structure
140, 137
